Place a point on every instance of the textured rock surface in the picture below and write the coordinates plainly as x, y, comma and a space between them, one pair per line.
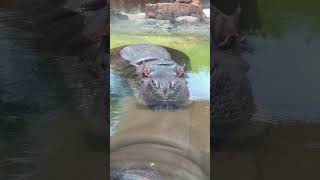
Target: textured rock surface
184, 1
133, 6
139, 5
173, 10
188, 19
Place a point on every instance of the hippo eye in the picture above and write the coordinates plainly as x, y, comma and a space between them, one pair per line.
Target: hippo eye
155, 83
172, 84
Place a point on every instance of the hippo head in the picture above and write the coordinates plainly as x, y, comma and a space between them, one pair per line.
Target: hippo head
226, 28
163, 85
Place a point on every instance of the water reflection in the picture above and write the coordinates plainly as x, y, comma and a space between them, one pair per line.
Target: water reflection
42, 133
284, 72
282, 139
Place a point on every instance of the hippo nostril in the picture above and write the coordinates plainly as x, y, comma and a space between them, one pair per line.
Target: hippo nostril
165, 91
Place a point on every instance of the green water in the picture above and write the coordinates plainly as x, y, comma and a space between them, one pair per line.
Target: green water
197, 48
284, 73
285, 59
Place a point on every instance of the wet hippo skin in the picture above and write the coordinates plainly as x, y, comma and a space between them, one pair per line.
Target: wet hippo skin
174, 144
155, 73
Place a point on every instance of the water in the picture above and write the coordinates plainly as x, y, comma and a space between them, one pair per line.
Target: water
284, 71
198, 77
42, 132
198, 84
283, 37
142, 137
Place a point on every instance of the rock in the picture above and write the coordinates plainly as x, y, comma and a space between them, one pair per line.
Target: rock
133, 6
184, 1
173, 10
151, 11
188, 19
197, 2
207, 12
114, 15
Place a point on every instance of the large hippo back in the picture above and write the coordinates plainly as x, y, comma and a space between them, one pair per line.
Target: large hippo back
139, 53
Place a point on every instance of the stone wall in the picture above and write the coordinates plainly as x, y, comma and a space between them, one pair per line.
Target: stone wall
168, 11
132, 6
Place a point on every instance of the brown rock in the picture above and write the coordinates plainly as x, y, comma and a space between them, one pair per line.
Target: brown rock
166, 11
184, 1
151, 11
188, 19
134, 5
197, 2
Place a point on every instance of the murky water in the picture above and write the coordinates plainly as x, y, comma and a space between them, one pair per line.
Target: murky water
198, 79
283, 37
198, 83
284, 71
42, 132
143, 137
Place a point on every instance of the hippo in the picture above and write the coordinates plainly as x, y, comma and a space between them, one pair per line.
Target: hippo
232, 102
158, 81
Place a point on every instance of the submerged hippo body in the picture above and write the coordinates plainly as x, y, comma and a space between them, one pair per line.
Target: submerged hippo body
231, 94
157, 79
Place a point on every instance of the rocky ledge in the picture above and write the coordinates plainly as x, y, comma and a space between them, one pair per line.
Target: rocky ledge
173, 10
139, 24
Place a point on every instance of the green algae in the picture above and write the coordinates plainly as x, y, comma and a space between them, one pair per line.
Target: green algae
197, 48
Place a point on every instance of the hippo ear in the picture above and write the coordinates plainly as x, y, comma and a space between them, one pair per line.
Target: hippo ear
146, 71
180, 71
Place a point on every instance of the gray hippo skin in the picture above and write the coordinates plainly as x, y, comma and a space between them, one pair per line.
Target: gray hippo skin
231, 94
158, 80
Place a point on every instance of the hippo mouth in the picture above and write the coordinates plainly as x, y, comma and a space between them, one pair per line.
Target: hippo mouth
170, 105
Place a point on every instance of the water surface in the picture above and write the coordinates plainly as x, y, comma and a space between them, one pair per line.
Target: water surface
42, 132
284, 61
196, 48
283, 38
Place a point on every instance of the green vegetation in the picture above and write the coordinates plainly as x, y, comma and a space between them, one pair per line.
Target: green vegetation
197, 48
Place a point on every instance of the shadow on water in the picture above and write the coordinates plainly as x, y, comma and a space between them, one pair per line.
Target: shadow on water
284, 39
43, 135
